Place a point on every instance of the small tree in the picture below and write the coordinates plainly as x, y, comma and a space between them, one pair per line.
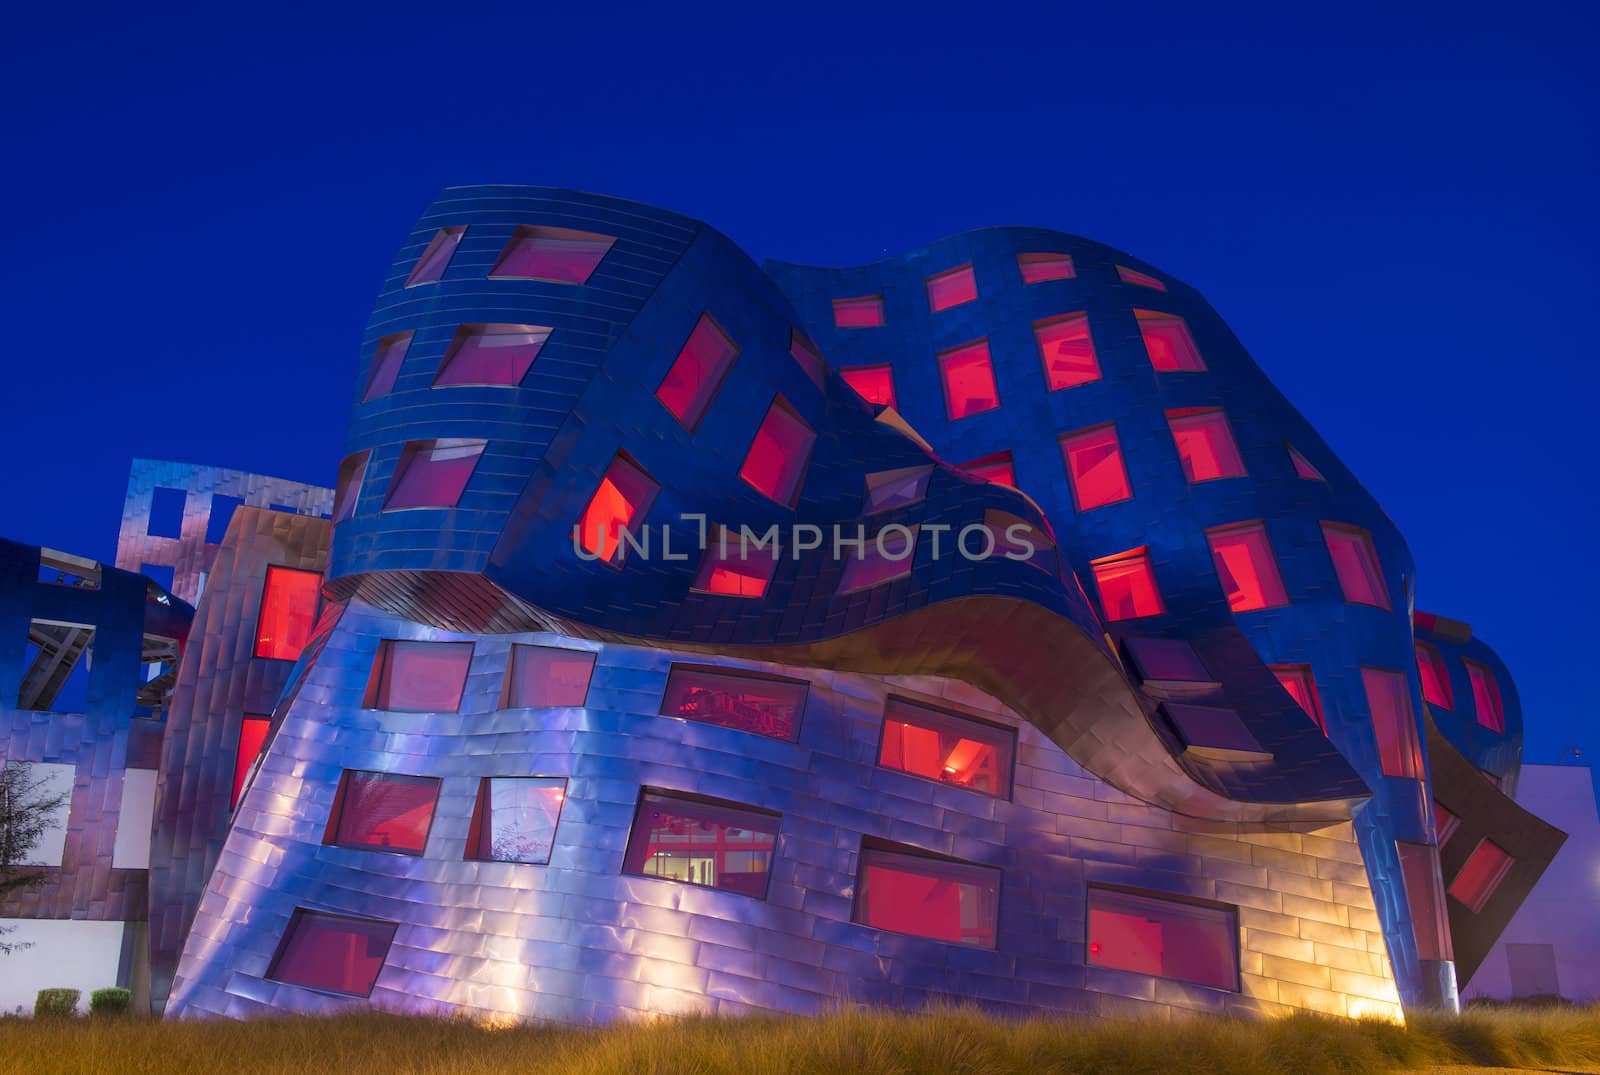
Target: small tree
26, 812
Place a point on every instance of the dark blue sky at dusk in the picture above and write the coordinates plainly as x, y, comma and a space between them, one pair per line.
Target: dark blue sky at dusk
1394, 209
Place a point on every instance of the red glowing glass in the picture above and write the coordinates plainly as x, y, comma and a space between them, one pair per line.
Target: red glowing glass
875, 384
1134, 276
432, 473
1168, 343
1247, 568
697, 372
494, 355
1389, 699
1167, 938
347, 489
946, 747
555, 255
332, 953
1037, 268
1205, 444
252, 737
864, 312
995, 468
1482, 873
735, 567
765, 705
1419, 868
431, 265
952, 288
1303, 467
883, 558
1067, 350
288, 611
541, 676
419, 677
1094, 466
1486, 697
719, 845
1127, 585
928, 897
1356, 563
968, 378
387, 358
1302, 687
776, 462
1435, 676
515, 819
805, 352
623, 499
1444, 824
383, 812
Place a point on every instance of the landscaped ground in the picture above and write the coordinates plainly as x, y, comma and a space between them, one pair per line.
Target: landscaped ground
847, 1043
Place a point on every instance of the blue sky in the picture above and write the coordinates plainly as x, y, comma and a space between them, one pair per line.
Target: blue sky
1394, 207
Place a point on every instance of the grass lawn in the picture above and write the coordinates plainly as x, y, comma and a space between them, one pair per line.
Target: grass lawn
850, 1042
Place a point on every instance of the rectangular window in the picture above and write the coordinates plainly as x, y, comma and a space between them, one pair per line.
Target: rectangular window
1067, 350
1389, 698
1094, 466
252, 739
1037, 268
288, 611
332, 953
700, 842
697, 372
1486, 697
554, 255
735, 567
1302, 687
419, 677
810, 359
383, 812
547, 676
1356, 563
436, 258
863, 312
1246, 566
347, 490
432, 473
897, 488
1168, 343
1166, 661
1134, 276
57, 658
387, 359
775, 465
220, 515
166, 512
875, 384
995, 468
765, 705
621, 503
885, 556
1435, 676
1302, 466
495, 356
1127, 585
44, 782
928, 897
1419, 869
1205, 444
968, 377
1482, 873
1444, 824
952, 288
1164, 937
515, 819
64, 569
946, 747
131, 846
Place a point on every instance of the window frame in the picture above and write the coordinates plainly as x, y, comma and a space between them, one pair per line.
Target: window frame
1000, 732
1044, 359
1369, 552
1064, 442
1140, 553
1044, 257
330, 833
261, 608
692, 417
552, 233
1193, 420
942, 360
728, 672
483, 814
949, 275
904, 859
508, 689
1246, 530
649, 792
378, 680
780, 403
1158, 897
449, 234
289, 931
887, 369
859, 301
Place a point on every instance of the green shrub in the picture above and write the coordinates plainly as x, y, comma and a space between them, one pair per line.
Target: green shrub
112, 1001
56, 1003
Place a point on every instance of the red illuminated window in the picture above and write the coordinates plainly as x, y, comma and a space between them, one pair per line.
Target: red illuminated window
1205, 444
766, 705
1037, 268
1134, 276
697, 372
288, 610
701, 842
431, 265
1127, 585
1164, 937
805, 352
515, 819
539, 676
1389, 698
432, 473
1419, 867
775, 466
386, 361
896, 488
1482, 873
995, 468
1168, 343
556, 255
383, 812
1067, 350
495, 355
1302, 687
928, 897
952, 288
951, 749
864, 312
419, 677
332, 952
1094, 465
624, 496
875, 384
736, 567
1444, 824
883, 557
1245, 564
352, 471
1435, 676
1486, 697
252, 737
1303, 467
968, 380
1356, 563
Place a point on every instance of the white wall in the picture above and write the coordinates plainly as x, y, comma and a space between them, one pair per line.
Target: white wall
132, 850
66, 954
54, 779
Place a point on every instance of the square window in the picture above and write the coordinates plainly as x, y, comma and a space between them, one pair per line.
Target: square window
288, 611
863, 312
1435, 676
347, 490
383, 812
1094, 466
952, 288
1419, 869
735, 567
759, 703
419, 677
995, 468
896, 488
387, 358
1486, 697
1389, 699
805, 352
1302, 687
432, 473
947, 747
1303, 467
968, 377
1444, 824
1067, 350
434, 260
1127, 585
57, 659
332, 953
1482, 873
515, 819
554, 255
1037, 268
884, 557
1205, 444
252, 738
1164, 937
1356, 563
495, 356
221, 514
926, 896
1168, 343
619, 505
875, 384
697, 372
547, 676
775, 465
702, 842
1246, 566
1214, 732
166, 512
1134, 276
